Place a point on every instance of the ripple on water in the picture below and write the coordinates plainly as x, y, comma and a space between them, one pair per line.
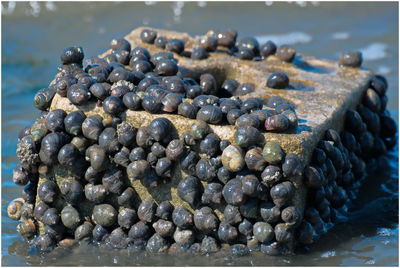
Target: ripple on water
286, 38
374, 51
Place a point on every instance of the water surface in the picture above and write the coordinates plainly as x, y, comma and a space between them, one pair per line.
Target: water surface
34, 34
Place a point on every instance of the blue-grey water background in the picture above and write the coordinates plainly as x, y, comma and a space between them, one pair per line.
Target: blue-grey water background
34, 34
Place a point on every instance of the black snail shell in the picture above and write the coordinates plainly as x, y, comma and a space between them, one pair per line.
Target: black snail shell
263, 232
120, 43
210, 114
63, 85
228, 104
292, 166
182, 217
47, 191
95, 193
170, 102
143, 138
227, 233
51, 217
136, 154
113, 105
68, 155
127, 198
39, 210
122, 157
70, 217
72, 191
188, 110
203, 100
108, 140
193, 91
206, 170
190, 190
160, 128
277, 123
113, 180
132, 101
146, 210
232, 214
166, 67
55, 120
229, 87
286, 53
21, 176
84, 231
251, 104
173, 84
99, 233
283, 232
72, 54
199, 129
247, 136
291, 215
138, 169
140, 231
205, 220
164, 228
98, 157
250, 185
250, 209
212, 194
270, 212
164, 210
127, 217
104, 215
199, 53
226, 38
175, 45
163, 167
160, 41
92, 126
78, 94
175, 149
351, 59
73, 122
43, 98
45, 242
209, 245
271, 175
188, 162
210, 144
246, 228
233, 193
267, 49
157, 244
233, 115
282, 193
118, 238
140, 50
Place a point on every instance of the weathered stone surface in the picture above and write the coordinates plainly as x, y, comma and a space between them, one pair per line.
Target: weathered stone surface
321, 92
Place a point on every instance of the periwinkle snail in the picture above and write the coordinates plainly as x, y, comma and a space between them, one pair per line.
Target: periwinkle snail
133, 120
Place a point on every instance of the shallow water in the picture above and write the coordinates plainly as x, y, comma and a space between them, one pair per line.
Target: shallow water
33, 35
